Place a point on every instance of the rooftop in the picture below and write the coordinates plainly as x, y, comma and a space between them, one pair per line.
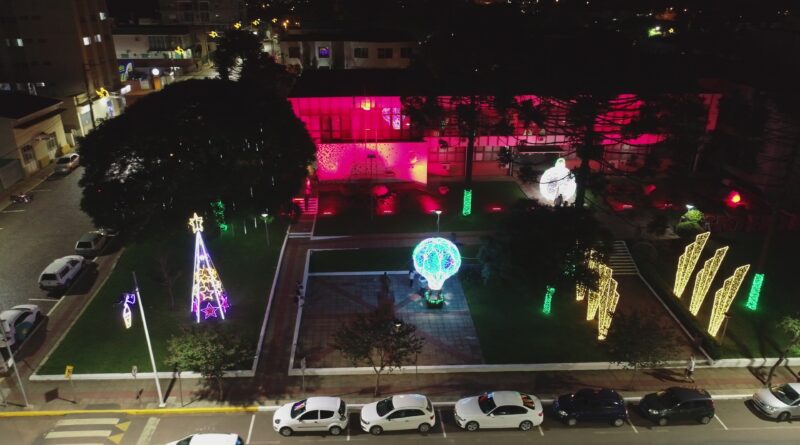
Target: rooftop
16, 105
350, 35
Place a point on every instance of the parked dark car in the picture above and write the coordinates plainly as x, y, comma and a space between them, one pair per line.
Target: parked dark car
590, 405
678, 403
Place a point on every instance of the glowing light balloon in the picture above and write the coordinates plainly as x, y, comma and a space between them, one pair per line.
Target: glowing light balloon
436, 259
557, 180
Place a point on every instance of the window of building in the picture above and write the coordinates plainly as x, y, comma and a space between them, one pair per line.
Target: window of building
204, 17
52, 142
405, 52
294, 52
27, 154
324, 52
98, 38
19, 43
203, 6
361, 53
87, 41
40, 84
385, 53
102, 15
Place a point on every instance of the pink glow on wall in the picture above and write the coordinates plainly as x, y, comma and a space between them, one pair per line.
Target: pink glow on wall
429, 204
399, 161
641, 140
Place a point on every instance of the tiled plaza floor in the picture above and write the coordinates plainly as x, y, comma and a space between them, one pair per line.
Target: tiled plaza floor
332, 300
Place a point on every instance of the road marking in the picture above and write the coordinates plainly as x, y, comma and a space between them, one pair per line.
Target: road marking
148, 431
348, 431
632, 426
88, 433
720, 422
51, 300
541, 431
100, 421
12, 211
441, 422
250, 430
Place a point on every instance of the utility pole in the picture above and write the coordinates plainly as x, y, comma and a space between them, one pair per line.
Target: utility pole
161, 403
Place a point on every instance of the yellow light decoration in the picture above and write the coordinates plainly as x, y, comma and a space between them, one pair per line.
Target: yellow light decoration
724, 297
256, 22
608, 305
179, 50
688, 261
274, 20
196, 223
237, 25
704, 278
102, 92
603, 286
581, 290
213, 34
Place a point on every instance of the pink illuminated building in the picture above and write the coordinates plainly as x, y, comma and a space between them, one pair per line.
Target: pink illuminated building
367, 137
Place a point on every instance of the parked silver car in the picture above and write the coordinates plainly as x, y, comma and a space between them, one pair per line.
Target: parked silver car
91, 243
780, 402
67, 163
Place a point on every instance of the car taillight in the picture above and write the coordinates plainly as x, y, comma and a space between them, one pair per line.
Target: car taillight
432, 417
541, 413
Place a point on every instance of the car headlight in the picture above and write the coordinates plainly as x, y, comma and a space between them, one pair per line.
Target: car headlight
770, 409
654, 412
562, 413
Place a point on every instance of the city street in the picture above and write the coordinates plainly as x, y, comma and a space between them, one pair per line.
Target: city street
735, 423
34, 234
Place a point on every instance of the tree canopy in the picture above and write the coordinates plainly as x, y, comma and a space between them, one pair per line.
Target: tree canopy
197, 141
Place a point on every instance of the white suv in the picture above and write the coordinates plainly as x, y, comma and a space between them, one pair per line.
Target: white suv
404, 412
311, 414
61, 272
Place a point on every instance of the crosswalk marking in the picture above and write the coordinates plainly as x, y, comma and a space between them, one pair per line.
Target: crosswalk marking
88, 433
98, 421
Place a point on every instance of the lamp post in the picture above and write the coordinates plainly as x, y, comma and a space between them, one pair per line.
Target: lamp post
14, 364
438, 214
265, 216
728, 316
161, 403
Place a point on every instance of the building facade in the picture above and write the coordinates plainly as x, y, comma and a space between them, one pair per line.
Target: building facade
31, 135
62, 49
203, 12
175, 49
352, 50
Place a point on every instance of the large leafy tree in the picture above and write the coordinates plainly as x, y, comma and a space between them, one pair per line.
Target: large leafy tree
380, 341
195, 142
791, 327
233, 47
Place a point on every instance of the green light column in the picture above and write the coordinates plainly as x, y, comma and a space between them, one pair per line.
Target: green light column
466, 207
548, 300
755, 292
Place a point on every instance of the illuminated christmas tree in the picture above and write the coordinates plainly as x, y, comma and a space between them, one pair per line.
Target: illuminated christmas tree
208, 295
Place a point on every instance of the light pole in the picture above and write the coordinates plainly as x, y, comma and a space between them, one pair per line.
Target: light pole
161, 403
14, 364
438, 214
728, 316
265, 216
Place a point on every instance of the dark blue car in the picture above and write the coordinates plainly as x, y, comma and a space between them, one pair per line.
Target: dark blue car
590, 405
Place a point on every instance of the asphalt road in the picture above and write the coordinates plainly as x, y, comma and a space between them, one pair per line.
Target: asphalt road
735, 424
34, 234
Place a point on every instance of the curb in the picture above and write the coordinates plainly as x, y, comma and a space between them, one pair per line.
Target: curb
255, 408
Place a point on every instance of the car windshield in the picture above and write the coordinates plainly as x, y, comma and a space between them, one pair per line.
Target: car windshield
63, 160
384, 407
486, 402
667, 398
49, 277
185, 441
298, 408
785, 394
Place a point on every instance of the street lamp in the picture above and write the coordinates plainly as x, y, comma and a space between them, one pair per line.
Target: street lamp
265, 216
728, 317
155, 72
161, 402
689, 206
438, 214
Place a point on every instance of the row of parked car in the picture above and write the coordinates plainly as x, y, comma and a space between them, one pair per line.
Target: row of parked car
498, 409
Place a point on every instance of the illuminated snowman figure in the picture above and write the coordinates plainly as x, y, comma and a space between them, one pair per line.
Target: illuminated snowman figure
557, 180
436, 259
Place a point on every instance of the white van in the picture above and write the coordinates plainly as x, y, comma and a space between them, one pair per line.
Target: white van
61, 272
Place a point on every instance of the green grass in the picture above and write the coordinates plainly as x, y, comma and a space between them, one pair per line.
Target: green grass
352, 215
510, 325
99, 343
750, 334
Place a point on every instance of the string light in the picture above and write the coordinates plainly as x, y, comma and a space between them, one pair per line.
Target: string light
466, 208
208, 295
688, 261
603, 285
608, 306
702, 282
548, 300
557, 180
724, 297
755, 292
436, 259
127, 316
580, 289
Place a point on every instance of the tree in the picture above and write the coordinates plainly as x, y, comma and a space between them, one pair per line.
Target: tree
232, 46
194, 142
790, 326
379, 341
638, 340
207, 351
167, 276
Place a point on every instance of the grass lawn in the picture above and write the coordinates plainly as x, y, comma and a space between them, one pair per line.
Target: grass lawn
750, 334
509, 321
99, 342
412, 211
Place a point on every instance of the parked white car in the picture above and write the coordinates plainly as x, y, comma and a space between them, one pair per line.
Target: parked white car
499, 409
18, 322
209, 439
311, 414
91, 243
67, 163
780, 402
403, 412
61, 273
